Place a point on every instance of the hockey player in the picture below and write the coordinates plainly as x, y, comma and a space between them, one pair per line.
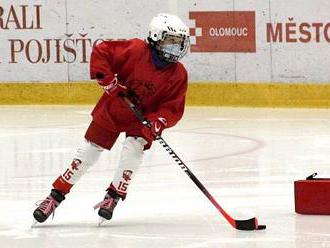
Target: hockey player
149, 74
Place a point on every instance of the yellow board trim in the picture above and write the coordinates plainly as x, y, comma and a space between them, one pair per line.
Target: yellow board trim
200, 94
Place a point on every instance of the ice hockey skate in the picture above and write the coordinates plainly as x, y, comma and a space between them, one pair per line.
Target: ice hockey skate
107, 206
47, 206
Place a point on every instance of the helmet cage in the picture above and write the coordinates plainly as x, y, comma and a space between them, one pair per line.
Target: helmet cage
171, 47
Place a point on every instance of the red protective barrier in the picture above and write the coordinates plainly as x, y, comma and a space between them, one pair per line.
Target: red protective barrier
312, 196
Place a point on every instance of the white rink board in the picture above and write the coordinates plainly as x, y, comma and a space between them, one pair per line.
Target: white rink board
51, 40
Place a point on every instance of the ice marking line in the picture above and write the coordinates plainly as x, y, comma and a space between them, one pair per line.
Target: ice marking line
24, 133
212, 243
82, 112
193, 237
258, 144
268, 119
54, 126
28, 133
316, 234
54, 150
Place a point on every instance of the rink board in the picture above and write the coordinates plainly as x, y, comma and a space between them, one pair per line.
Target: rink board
200, 94
231, 41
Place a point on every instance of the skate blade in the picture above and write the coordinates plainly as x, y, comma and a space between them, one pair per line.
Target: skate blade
34, 223
101, 221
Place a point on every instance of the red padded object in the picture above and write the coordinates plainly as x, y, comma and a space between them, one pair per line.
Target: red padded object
312, 196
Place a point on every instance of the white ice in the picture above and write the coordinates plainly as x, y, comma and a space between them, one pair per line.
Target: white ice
247, 158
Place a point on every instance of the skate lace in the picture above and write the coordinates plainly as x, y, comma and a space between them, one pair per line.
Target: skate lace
47, 206
108, 203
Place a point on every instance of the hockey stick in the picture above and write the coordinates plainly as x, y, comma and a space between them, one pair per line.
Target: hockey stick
246, 225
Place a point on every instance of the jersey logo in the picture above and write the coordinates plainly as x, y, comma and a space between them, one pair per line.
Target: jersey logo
127, 174
163, 120
142, 90
75, 164
150, 87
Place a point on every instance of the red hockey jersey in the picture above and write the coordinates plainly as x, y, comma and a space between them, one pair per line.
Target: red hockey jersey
157, 92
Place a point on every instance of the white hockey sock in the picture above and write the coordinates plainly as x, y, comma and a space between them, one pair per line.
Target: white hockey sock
84, 158
130, 159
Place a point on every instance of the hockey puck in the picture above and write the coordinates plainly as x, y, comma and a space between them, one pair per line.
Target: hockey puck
261, 227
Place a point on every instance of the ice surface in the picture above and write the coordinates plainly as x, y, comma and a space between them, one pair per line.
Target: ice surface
247, 158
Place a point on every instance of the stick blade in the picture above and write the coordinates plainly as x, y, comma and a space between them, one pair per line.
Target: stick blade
249, 225
261, 227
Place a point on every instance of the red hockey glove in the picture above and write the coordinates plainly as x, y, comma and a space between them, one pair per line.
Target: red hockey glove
157, 126
111, 85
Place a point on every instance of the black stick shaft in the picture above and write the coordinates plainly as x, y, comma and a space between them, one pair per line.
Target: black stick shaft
250, 224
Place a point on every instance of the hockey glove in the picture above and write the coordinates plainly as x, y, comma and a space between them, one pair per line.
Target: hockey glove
157, 126
111, 85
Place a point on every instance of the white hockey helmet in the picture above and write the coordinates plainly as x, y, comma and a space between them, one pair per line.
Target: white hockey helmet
169, 36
